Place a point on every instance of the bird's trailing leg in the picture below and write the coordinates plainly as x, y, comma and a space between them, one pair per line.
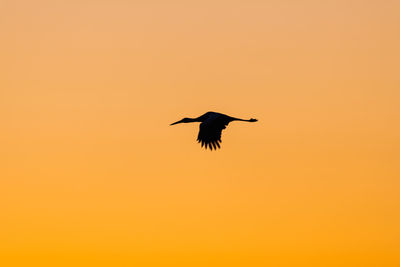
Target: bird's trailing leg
251, 120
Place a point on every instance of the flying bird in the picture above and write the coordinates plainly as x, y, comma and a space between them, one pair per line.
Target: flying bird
211, 126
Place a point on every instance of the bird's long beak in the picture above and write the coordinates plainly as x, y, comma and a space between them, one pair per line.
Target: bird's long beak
175, 123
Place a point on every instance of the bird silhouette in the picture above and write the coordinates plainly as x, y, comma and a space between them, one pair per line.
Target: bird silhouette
211, 126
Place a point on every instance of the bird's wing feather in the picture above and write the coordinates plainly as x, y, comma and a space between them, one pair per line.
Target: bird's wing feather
210, 133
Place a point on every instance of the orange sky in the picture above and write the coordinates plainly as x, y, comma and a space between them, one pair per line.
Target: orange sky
92, 175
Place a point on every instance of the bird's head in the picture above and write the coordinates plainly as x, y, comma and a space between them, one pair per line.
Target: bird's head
253, 120
184, 120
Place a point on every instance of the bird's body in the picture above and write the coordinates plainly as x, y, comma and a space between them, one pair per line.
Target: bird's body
211, 126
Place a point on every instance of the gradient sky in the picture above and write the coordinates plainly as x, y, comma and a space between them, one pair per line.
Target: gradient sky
92, 175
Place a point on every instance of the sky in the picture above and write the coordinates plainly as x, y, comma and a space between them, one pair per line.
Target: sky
93, 175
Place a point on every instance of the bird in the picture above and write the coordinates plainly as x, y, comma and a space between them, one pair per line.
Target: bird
211, 126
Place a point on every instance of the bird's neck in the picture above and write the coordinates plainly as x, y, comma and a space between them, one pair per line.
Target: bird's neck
198, 119
194, 119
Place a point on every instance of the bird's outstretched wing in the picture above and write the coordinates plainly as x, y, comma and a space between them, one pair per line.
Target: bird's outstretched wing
210, 134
